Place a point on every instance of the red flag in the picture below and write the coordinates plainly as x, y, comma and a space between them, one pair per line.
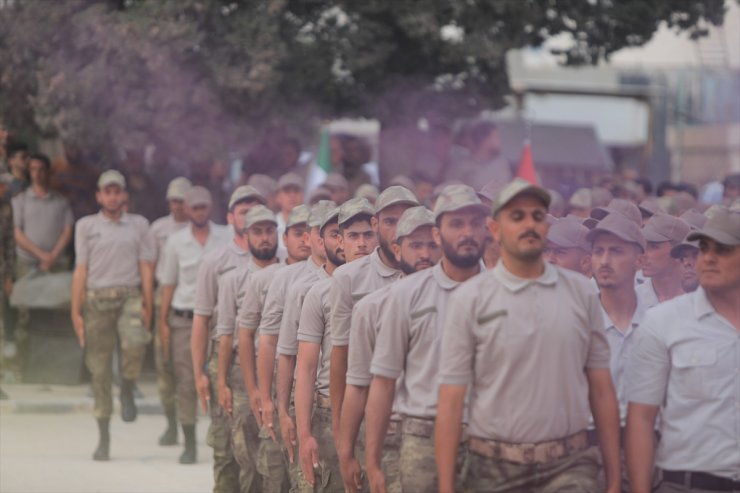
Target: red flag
526, 165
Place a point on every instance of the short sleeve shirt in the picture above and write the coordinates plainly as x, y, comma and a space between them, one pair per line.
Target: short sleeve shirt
366, 323
230, 294
112, 250
255, 292
272, 314
159, 231
351, 282
183, 254
523, 347
646, 294
686, 359
42, 219
408, 344
287, 338
314, 327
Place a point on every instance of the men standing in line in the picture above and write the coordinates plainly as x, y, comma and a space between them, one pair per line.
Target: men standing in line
183, 252
408, 345
531, 373
686, 364
213, 265
352, 282
415, 250
270, 458
662, 232
567, 245
261, 230
112, 299
160, 230
687, 252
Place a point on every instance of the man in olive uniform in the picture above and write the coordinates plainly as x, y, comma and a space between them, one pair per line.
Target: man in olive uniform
112, 291
159, 231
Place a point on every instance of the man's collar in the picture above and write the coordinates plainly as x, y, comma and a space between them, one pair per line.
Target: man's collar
383, 270
702, 306
123, 219
513, 283
444, 281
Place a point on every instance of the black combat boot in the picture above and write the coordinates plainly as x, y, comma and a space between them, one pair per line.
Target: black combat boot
128, 406
189, 454
103, 450
169, 437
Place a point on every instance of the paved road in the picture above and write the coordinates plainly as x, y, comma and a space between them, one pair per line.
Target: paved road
51, 453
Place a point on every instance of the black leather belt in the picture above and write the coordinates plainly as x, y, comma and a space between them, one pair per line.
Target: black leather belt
701, 481
183, 313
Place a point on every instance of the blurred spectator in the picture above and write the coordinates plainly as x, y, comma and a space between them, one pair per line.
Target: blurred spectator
289, 195
402, 181
557, 204
75, 178
3, 143
424, 188
433, 155
338, 186
212, 175
485, 162
143, 193
368, 192
666, 188
648, 208
17, 156
646, 186
731, 189
319, 193
357, 164
580, 202
600, 197
267, 186
683, 202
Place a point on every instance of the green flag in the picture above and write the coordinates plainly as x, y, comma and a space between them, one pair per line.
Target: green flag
323, 160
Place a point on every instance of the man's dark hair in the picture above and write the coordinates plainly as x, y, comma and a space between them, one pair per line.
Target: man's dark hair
647, 185
322, 230
481, 131
357, 219
664, 187
732, 181
43, 158
688, 188
14, 147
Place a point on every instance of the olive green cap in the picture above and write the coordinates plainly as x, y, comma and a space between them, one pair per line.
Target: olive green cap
299, 215
723, 227
516, 188
413, 219
111, 177
455, 197
368, 191
393, 195
245, 192
258, 214
355, 207
319, 211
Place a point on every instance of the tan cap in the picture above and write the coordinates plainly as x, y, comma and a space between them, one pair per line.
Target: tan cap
368, 191
413, 219
319, 211
649, 207
245, 192
299, 215
662, 227
456, 197
516, 188
568, 232
620, 206
318, 194
402, 181
330, 216
266, 185
354, 207
694, 218
111, 177
335, 180
678, 250
621, 227
723, 227
490, 190
290, 180
393, 195
600, 197
258, 214
197, 195
581, 199
177, 188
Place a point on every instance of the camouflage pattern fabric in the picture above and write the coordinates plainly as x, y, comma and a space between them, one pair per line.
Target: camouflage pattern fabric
182, 362
328, 477
225, 467
272, 462
165, 369
391, 462
244, 434
110, 315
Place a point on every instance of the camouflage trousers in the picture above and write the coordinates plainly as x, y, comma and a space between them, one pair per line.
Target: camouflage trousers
391, 458
576, 473
182, 361
418, 468
328, 476
110, 315
165, 369
244, 432
225, 467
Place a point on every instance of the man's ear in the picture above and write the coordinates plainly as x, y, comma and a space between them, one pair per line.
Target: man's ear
494, 228
396, 248
374, 224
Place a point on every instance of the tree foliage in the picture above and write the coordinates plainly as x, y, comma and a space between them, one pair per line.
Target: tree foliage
196, 76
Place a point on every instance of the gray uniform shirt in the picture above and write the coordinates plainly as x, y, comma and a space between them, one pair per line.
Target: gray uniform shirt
159, 231
408, 345
42, 220
646, 294
112, 250
182, 257
315, 327
522, 345
230, 294
366, 323
215, 264
350, 283
255, 292
272, 314
287, 340
686, 360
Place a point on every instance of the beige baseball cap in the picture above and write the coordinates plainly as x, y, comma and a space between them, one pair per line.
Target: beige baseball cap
600, 197
662, 227
402, 181
319, 193
620, 206
413, 219
197, 195
319, 211
6, 178
245, 192
516, 188
393, 195
330, 216
723, 227
694, 218
569, 232
649, 207
259, 214
456, 197
290, 180
266, 185
111, 177
335, 180
367, 191
299, 215
621, 227
177, 188
490, 190
354, 207
581, 199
